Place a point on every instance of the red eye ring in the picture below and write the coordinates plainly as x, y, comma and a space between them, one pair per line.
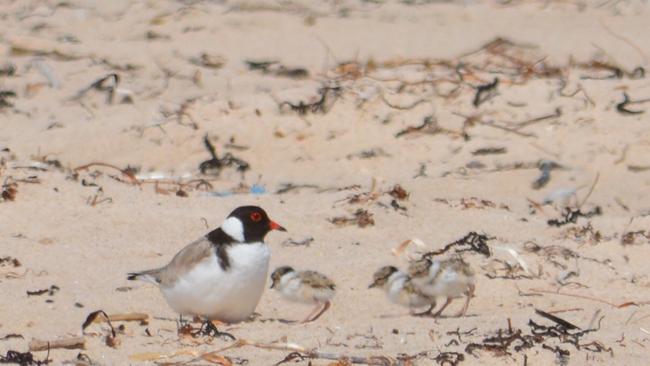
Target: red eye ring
256, 216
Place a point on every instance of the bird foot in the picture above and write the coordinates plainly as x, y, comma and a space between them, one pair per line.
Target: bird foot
208, 328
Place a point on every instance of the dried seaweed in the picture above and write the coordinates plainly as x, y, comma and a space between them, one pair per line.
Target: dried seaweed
10, 336
361, 218
129, 172
510, 271
208, 329
208, 61
490, 151
398, 192
582, 234
8, 69
509, 340
276, 69
369, 154
50, 291
449, 358
9, 190
288, 187
293, 356
545, 166
500, 344
467, 203
327, 96
9, 261
630, 237
111, 339
622, 106
472, 241
4, 98
572, 215
429, 126
107, 84
215, 164
485, 92
23, 358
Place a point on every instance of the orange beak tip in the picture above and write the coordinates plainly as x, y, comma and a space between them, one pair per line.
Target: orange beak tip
275, 226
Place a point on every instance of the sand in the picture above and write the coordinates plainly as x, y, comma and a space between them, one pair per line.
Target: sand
183, 76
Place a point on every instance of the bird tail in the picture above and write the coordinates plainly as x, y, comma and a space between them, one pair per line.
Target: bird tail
147, 276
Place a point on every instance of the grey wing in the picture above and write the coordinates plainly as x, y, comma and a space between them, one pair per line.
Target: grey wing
182, 262
316, 280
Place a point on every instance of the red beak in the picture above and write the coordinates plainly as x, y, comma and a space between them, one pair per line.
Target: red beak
275, 226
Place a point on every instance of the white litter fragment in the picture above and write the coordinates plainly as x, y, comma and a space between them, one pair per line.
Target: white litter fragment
560, 195
516, 256
47, 72
410, 254
153, 176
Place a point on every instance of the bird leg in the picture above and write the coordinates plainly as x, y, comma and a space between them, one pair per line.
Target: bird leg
209, 329
426, 312
183, 326
469, 293
437, 314
323, 308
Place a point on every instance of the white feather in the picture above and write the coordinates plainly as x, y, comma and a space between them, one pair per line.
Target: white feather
233, 227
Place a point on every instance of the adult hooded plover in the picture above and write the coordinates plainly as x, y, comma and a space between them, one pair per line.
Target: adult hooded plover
222, 275
450, 278
307, 287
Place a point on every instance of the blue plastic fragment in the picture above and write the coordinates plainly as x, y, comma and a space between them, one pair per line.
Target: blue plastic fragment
257, 189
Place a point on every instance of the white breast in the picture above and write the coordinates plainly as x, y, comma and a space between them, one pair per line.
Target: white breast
395, 285
291, 288
231, 295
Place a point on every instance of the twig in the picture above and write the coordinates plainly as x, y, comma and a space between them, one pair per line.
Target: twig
508, 129
312, 354
591, 189
399, 107
556, 319
619, 306
627, 41
129, 317
556, 114
69, 343
124, 172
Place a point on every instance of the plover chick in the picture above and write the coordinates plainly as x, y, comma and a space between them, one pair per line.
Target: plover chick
306, 287
220, 276
450, 278
400, 289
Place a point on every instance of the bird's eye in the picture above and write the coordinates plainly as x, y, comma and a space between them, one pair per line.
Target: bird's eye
256, 216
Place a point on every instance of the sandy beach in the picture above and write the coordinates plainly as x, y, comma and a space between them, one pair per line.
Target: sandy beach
357, 125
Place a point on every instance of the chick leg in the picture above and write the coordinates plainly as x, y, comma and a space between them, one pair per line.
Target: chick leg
426, 312
317, 312
469, 293
325, 307
437, 314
